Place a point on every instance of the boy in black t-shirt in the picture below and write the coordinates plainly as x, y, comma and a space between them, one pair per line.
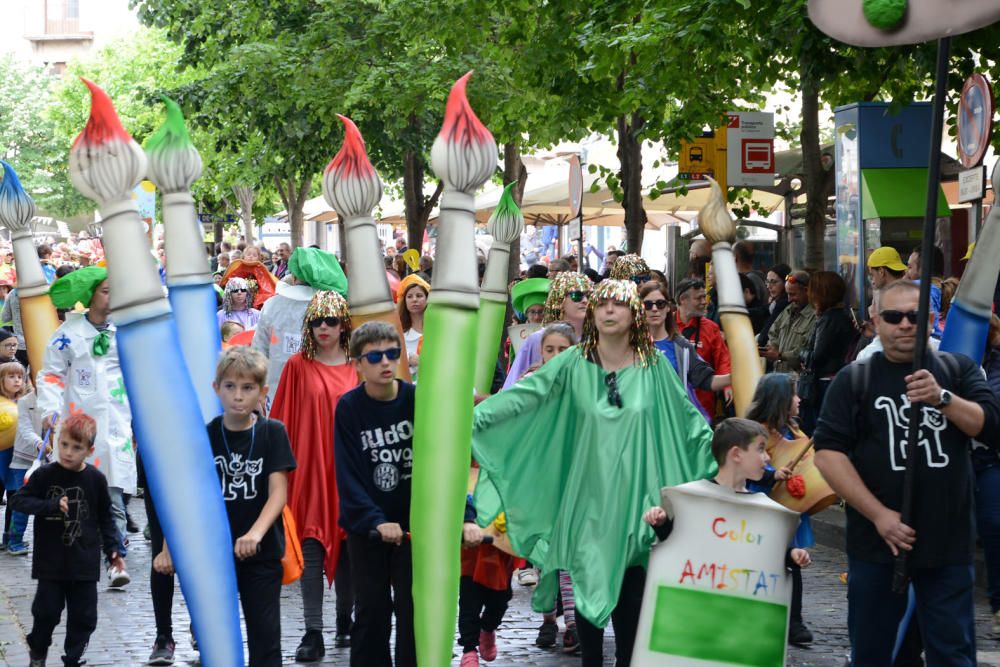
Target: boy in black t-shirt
373, 435
253, 458
73, 517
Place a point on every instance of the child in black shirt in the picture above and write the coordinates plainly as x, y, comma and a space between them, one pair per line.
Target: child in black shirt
253, 458
373, 436
73, 518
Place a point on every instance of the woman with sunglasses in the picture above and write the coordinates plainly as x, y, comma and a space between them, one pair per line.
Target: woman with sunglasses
237, 304
413, 292
311, 383
569, 294
617, 427
694, 371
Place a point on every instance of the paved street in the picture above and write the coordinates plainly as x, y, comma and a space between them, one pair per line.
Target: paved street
126, 631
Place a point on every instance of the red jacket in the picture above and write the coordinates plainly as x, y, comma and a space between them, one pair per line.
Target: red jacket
707, 338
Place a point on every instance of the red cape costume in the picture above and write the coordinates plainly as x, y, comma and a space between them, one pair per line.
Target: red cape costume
307, 396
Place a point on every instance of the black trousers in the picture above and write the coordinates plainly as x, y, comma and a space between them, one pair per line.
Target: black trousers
479, 609
795, 611
80, 600
259, 584
383, 584
624, 618
161, 586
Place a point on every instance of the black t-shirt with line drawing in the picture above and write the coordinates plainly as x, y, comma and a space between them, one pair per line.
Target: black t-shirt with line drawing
374, 451
942, 503
244, 460
68, 546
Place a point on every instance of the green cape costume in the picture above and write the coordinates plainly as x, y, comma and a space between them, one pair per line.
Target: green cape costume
575, 474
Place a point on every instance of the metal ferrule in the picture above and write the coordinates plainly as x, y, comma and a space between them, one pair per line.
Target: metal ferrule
30, 278
727, 280
456, 271
187, 263
494, 287
124, 240
368, 289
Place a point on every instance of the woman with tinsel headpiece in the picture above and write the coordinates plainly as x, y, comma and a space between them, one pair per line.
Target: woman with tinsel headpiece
617, 427
236, 304
311, 383
567, 300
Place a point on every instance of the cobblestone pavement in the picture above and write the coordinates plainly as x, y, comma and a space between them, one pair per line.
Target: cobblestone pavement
126, 630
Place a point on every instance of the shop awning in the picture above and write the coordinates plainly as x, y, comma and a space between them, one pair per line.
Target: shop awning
897, 193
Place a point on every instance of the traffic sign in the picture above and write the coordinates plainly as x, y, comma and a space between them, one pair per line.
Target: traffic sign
975, 120
971, 184
697, 157
750, 157
575, 186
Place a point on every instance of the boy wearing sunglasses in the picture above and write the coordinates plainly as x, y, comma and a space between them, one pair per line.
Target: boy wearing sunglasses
373, 443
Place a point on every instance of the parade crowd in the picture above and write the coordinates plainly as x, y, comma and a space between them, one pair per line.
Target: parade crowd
314, 446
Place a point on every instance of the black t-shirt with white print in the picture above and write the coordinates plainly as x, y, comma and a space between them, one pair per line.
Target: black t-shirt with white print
243, 461
942, 503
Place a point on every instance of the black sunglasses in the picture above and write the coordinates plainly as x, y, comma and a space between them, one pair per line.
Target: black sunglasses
644, 278
576, 296
239, 289
614, 398
375, 356
896, 316
659, 304
328, 321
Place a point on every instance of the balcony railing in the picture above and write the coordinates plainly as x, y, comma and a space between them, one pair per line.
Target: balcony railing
62, 26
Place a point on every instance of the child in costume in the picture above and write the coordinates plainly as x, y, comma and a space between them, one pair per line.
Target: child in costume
739, 446
12, 387
82, 372
373, 439
311, 383
237, 304
73, 518
566, 301
776, 407
253, 459
619, 427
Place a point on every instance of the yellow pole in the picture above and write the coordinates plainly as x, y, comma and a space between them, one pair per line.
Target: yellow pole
718, 228
38, 317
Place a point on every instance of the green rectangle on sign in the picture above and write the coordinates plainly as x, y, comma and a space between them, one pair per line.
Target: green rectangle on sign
723, 628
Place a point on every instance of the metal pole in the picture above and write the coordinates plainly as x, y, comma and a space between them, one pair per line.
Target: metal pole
900, 578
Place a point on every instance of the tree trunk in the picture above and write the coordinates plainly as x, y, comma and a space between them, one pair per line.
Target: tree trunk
293, 195
418, 206
514, 171
630, 173
814, 182
245, 196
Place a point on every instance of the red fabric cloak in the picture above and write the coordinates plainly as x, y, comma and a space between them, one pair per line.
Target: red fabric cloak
305, 402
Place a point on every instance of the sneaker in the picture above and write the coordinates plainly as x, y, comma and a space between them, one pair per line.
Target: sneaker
163, 652
527, 577
799, 634
342, 640
470, 659
571, 643
118, 577
547, 634
996, 622
488, 645
130, 525
311, 647
18, 549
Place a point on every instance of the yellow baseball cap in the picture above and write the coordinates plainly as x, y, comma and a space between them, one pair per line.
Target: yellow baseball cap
888, 257
968, 253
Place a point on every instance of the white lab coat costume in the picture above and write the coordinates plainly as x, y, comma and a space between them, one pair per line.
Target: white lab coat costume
279, 331
74, 380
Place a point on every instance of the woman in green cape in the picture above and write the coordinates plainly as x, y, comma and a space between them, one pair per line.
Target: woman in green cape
616, 427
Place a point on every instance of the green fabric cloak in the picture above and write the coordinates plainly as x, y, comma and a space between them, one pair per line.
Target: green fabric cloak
575, 474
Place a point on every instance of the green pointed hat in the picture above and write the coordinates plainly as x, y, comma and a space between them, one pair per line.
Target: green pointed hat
318, 269
77, 286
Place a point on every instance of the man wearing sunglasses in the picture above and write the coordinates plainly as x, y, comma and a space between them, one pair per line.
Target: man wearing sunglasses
860, 451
